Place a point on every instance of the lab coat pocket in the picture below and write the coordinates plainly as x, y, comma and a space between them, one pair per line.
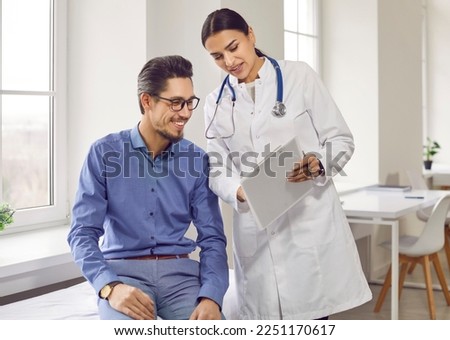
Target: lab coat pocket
245, 232
311, 221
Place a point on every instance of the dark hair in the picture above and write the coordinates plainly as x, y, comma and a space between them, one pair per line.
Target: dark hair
156, 72
225, 19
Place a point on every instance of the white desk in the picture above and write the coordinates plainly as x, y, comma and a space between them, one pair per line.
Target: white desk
386, 208
439, 174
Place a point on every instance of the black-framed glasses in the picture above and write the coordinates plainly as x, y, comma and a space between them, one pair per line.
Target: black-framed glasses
177, 104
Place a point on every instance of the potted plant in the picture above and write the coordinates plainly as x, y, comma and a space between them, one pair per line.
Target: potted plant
430, 149
6, 215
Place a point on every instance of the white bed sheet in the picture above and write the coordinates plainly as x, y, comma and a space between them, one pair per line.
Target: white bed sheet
79, 302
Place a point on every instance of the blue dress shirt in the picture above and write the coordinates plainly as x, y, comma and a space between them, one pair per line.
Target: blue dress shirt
142, 206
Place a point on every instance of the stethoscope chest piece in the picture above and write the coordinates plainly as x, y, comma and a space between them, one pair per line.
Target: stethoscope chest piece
279, 109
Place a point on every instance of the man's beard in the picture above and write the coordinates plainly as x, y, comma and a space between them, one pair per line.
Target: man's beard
173, 139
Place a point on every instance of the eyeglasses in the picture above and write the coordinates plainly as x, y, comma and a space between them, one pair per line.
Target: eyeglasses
176, 105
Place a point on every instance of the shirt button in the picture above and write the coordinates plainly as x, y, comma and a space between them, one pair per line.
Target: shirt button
151, 214
153, 189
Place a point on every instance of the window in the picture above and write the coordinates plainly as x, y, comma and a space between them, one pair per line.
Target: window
301, 31
32, 110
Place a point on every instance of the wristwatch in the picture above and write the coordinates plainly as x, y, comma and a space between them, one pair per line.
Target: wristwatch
106, 291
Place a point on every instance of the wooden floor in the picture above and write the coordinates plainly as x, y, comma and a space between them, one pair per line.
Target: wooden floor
413, 304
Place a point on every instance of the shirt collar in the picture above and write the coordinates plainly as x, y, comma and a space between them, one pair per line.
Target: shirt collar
138, 143
263, 73
136, 138
265, 69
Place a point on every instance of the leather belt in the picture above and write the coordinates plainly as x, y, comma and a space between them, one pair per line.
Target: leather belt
158, 257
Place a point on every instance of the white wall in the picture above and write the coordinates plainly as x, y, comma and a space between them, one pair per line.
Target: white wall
266, 18
372, 66
400, 87
106, 50
350, 71
438, 80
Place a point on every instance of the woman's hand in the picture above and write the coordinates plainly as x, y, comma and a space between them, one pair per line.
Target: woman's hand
308, 168
240, 195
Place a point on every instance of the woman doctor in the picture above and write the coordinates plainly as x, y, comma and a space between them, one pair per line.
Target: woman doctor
305, 265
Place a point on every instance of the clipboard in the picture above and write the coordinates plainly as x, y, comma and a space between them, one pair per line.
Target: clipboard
267, 191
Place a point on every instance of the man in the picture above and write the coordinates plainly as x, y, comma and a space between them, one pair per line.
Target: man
139, 190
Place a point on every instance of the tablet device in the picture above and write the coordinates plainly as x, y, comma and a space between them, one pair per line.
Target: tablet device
267, 191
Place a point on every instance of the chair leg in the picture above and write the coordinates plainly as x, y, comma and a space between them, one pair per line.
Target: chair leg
402, 277
447, 244
411, 268
384, 290
427, 272
441, 277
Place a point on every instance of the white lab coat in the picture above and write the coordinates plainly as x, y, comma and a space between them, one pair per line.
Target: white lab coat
305, 265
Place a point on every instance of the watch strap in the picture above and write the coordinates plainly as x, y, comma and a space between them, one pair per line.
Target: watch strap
106, 291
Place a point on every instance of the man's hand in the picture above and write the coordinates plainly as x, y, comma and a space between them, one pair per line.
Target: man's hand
132, 301
207, 309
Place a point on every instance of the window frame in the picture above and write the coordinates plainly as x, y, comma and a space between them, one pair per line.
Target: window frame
317, 22
57, 212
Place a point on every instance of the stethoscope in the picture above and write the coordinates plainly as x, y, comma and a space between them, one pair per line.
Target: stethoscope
278, 110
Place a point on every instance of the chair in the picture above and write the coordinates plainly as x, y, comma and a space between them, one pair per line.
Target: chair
422, 250
418, 183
